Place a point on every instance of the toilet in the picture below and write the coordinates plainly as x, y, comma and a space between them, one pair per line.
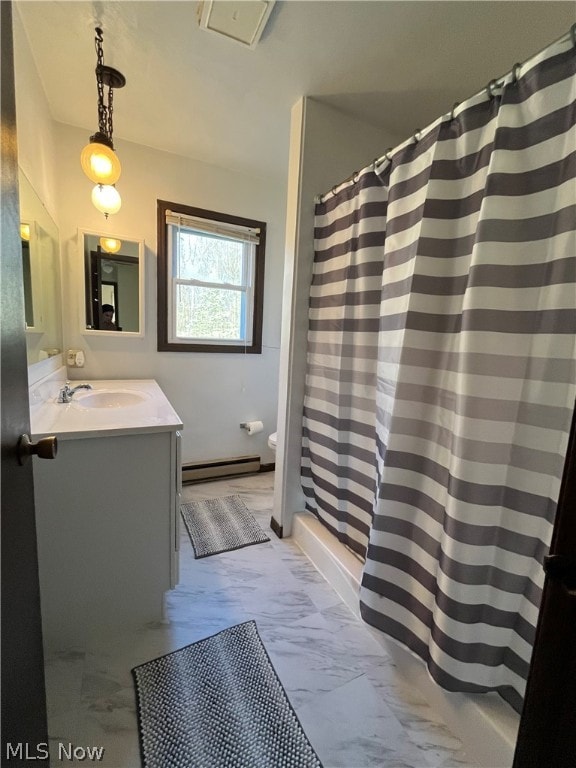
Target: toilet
272, 441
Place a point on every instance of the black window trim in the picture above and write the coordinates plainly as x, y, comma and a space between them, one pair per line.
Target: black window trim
164, 345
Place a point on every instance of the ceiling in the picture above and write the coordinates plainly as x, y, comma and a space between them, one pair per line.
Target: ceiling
399, 65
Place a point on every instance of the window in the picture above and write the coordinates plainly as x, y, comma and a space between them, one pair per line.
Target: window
210, 280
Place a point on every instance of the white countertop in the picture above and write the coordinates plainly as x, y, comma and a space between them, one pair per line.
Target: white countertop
70, 421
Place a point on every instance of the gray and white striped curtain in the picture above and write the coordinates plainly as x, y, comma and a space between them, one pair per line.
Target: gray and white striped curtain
441, 376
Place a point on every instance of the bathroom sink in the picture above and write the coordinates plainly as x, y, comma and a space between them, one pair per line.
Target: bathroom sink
108, 398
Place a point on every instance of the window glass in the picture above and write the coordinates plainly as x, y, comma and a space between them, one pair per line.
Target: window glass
209, 313
209, 258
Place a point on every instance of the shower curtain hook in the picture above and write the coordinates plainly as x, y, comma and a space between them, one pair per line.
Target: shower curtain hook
417, 135
515, 70
387, 154
490, 88
454, 107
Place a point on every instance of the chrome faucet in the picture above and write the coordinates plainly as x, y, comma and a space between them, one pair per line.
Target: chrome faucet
65, 394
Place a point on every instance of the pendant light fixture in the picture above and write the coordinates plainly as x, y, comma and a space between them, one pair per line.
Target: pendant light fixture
99, 160
106, 199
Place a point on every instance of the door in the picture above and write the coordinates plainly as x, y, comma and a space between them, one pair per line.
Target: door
24, 730
547, 735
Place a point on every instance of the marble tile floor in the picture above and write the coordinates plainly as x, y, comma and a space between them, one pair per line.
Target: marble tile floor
355, 709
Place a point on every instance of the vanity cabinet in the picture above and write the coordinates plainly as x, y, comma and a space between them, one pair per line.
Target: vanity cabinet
107, 512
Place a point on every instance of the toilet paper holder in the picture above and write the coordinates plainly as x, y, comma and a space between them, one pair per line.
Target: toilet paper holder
252, 427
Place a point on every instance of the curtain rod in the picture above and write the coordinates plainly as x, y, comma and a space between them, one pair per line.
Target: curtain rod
491, 90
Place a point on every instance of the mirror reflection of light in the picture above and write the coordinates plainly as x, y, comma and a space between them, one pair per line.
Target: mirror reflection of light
106, 199
25, 232
110, 244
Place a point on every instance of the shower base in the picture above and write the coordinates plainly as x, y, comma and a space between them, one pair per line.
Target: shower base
486, 725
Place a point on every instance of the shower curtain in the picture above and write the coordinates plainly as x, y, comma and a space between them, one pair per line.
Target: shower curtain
441, 375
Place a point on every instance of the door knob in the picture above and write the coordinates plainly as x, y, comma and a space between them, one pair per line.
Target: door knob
45, 448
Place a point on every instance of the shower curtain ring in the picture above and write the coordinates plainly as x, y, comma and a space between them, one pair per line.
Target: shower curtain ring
453, 112
417, 135
387, 154
490, 88
515, 70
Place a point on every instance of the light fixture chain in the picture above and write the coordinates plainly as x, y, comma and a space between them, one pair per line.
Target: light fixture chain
104, 115
109, 126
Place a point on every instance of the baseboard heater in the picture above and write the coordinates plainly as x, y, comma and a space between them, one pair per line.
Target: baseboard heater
211, 470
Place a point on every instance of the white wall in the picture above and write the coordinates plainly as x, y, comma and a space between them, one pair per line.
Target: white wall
36, 152
326, 147
212, 393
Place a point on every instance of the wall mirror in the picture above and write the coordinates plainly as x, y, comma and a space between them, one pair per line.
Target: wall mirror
113, 284
41, 273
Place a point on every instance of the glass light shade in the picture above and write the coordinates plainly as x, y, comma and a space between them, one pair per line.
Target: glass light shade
110, 244
100, 163
25, 232
106, 198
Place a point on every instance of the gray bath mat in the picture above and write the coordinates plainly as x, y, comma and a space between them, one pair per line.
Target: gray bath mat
220, 525
218, 703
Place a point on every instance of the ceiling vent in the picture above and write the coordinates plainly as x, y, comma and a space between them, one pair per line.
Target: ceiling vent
243, 20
